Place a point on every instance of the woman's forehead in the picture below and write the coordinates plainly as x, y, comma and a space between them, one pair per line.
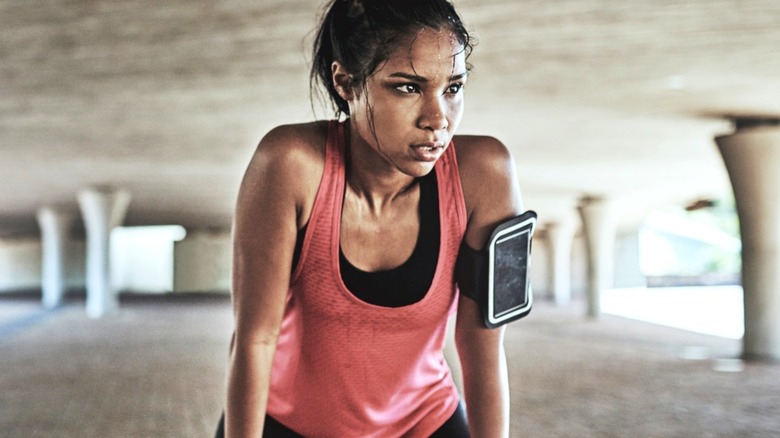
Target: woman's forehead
428, 53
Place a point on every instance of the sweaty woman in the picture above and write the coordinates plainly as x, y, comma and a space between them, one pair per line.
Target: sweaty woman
345, 240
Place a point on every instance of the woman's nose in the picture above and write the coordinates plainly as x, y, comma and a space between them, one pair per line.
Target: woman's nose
434, 114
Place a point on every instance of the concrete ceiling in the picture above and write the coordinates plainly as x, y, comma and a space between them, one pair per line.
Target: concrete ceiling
613, 98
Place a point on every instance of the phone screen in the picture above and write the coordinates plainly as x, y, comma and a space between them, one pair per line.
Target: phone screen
510, 292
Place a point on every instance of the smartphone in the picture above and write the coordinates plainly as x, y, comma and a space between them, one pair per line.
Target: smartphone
509, 295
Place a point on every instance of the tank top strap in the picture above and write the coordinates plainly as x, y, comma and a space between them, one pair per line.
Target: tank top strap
329, 192
451, 202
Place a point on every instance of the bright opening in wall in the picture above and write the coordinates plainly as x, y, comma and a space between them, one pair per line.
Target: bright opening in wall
691, 247
142, 258
692, 261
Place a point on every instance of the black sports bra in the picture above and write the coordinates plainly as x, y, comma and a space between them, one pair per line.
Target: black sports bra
409, 282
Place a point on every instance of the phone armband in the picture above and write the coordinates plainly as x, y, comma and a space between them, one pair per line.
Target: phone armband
497, 277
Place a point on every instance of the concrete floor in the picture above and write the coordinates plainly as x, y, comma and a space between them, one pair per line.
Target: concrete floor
157, 370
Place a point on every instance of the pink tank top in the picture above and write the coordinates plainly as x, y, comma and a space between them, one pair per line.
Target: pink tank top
347, 368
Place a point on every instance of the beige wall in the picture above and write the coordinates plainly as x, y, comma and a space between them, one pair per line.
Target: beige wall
628, 271
20, 264
627, 268
202, 262
540, 267
540, 250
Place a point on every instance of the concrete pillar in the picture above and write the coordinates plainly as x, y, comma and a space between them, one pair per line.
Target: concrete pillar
752, 158
54, 227
102, 210
598, 221
561, 237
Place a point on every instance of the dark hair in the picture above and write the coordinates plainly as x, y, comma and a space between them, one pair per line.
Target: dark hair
361, 34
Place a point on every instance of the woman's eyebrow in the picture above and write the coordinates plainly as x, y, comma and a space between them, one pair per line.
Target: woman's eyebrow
423, 79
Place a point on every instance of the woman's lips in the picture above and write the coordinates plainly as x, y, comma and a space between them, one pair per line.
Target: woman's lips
428, 151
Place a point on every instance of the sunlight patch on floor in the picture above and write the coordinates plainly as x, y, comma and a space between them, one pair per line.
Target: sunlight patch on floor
712, 310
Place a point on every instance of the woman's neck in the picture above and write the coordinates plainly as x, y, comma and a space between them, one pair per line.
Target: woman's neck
379, 191
371, 178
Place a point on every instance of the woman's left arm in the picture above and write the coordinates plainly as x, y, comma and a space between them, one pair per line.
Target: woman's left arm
492, 195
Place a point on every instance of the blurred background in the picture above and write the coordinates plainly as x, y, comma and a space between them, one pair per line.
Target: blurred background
646, 137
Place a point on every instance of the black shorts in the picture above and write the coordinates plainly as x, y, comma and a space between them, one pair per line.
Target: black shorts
455, 427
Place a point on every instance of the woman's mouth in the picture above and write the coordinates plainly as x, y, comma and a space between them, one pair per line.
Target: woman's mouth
427, 152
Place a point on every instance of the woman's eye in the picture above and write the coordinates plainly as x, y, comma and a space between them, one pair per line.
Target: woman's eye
454, 88
407, 88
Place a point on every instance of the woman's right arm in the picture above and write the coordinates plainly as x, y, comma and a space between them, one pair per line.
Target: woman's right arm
266, 221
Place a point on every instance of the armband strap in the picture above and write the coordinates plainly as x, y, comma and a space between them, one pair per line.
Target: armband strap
497, 276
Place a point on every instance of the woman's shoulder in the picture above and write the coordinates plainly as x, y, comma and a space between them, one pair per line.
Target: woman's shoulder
290, 154
481, 154
488, 176
291, 160
302, 143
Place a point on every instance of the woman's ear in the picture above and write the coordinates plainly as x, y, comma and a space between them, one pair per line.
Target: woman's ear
342, 80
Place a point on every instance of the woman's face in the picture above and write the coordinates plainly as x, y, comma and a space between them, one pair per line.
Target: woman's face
410, 107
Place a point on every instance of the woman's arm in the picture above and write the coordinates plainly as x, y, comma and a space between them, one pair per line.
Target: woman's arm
485, 381
270, 203
492, 195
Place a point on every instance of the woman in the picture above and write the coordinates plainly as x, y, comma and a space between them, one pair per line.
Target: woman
345, 240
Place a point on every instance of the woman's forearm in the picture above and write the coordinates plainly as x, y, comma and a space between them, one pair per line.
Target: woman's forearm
485, 379
487, 398
247, 392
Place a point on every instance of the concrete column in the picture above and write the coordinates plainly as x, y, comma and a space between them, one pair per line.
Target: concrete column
598, 221
561, 237
54, 227
102, 210
752, 158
